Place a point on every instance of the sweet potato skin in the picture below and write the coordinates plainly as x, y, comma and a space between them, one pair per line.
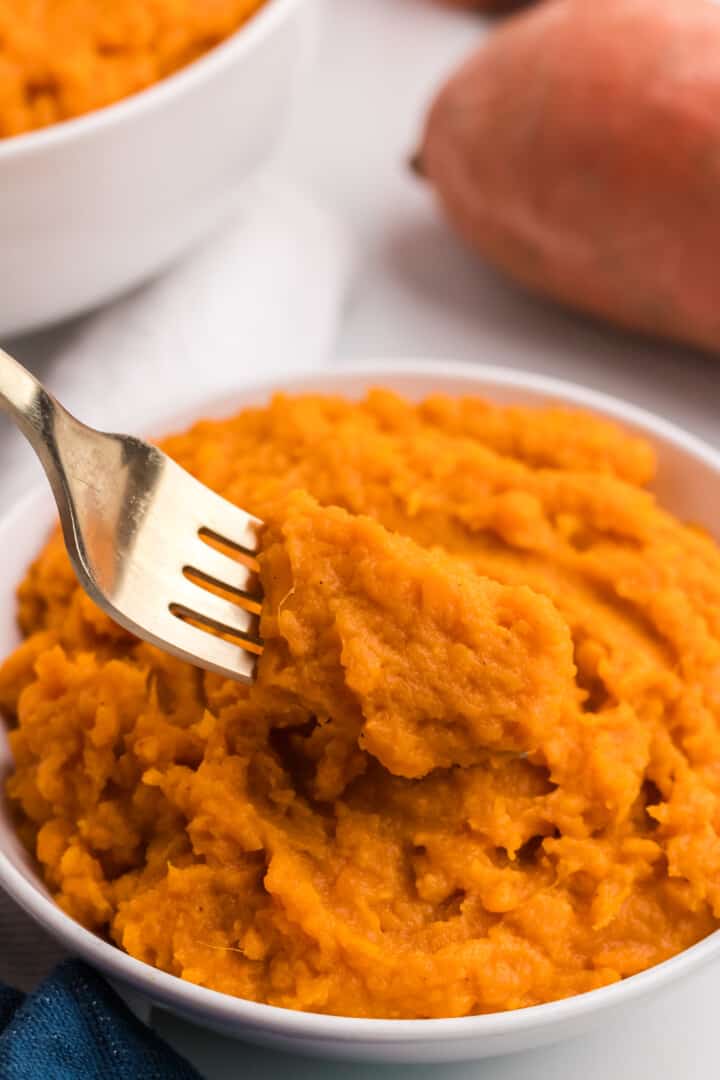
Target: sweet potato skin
579, 151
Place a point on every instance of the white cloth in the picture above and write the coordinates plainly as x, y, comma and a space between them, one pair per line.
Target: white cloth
259, 300
262, 298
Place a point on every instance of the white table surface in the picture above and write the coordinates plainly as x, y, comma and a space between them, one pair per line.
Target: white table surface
418, 293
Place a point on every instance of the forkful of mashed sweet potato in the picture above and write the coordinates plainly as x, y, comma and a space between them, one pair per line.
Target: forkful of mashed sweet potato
431, 665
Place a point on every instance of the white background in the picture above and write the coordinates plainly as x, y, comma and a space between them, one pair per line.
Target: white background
418, 293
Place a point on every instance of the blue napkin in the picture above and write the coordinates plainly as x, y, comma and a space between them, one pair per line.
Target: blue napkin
74, 1027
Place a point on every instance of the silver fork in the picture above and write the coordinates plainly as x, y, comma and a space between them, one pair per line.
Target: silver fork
146, 538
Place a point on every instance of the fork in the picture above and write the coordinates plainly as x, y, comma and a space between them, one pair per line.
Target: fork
163, 555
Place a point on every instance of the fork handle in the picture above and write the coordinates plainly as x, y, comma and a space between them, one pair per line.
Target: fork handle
25, 400
37, 414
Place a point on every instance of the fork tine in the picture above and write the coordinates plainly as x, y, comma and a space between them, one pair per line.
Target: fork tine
227, 572
230, 525
216, 514
195, 600
197, 646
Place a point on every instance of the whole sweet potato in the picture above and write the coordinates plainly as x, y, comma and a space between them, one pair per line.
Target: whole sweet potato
579, 150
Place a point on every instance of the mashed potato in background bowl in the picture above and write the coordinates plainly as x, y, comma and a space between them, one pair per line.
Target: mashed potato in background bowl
95, 204
445, 794
62, 59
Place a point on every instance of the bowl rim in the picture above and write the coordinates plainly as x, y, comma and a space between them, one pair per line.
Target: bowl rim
220, 1008
262, 21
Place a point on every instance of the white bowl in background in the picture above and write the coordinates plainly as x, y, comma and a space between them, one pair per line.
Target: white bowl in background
94, 205
688, 471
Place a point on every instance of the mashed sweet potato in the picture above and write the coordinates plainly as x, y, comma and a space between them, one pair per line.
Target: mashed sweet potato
480, 766
61, 58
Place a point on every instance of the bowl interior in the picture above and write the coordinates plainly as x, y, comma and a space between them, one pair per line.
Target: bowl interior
688, 470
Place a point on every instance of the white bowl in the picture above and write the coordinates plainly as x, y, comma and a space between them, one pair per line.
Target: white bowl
92, 206
689, 469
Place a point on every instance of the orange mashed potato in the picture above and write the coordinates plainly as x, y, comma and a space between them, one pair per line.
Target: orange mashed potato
62, 58
480, 766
